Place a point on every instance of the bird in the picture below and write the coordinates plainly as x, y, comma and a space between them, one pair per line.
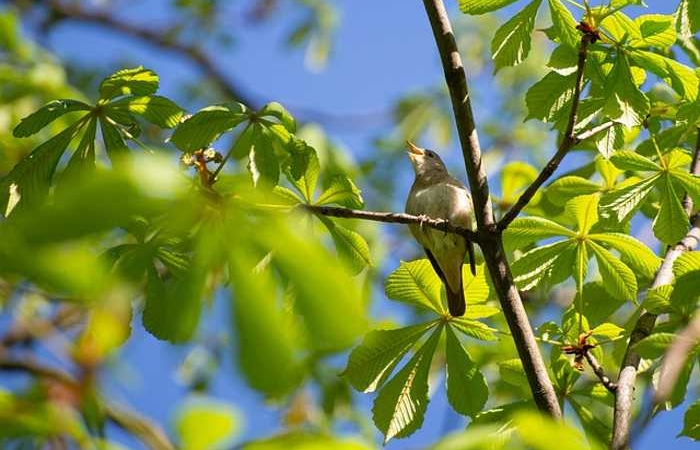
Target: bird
435, 194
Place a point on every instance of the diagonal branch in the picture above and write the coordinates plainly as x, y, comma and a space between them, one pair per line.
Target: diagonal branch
645, 325
72, 11
141, 427
568, 140
491, 244
600, 372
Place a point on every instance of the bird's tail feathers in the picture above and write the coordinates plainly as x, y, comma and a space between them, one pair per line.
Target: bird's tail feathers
456, 303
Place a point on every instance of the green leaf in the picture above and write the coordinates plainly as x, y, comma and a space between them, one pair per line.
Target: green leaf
549, 96
371, 362
511, 43
467, 391
672, 223
416, 283
204, 127
565, 188
619, 279
512, 372
686, 290
351, 246
83, 159
654, 345
161, 318
622, 202
628, 160
303, 168
657, 30
47, 114
115, 146
591, 422
621, 28
475, 7
543, 433
527, 230
158, 110
657, 299
634, 253
598, 306
564, 24
688, 18
136, 81
276, 110
263, 164
31, 177
341, 191
563, 60
476, 290
317, 276
475, 329
608, 330
400, 407
539, 265
691, 422
626, 104
678, 76
610, 141
690, 182
305, 440
515, 177
206, 423
584, 208
270, 365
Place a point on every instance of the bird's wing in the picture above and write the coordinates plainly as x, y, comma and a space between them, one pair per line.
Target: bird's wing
435, 265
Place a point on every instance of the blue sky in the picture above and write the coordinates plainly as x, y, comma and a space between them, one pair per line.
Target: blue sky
383, 49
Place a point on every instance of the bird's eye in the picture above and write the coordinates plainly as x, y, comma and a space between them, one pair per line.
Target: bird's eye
430, 154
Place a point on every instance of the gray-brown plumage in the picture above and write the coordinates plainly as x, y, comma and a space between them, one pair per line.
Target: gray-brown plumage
437, 195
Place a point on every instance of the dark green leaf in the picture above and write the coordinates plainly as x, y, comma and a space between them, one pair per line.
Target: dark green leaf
654, 345
47, 114
30, 178
341, 191
371, 362
691, 422
114, 143
205, 126
400, 407
467, 391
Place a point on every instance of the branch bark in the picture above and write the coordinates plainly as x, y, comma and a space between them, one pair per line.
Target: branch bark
491, 239
624, 395
391, 217
141, 427
568, 140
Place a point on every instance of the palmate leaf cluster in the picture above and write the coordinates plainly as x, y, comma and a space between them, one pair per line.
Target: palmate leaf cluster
99, 219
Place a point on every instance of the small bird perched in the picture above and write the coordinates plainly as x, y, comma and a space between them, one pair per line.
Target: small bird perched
437, 195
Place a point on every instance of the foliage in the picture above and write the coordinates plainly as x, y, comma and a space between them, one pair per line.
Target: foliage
101, 224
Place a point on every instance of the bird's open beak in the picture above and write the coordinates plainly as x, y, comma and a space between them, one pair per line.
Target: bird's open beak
414, 151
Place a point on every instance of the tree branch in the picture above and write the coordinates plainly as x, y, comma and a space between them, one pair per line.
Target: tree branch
645, 324
391, 217
599, 372
160, 38
491, 239
568, 140
141, 427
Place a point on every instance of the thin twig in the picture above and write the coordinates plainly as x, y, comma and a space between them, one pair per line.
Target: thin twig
568, 140
142, 428
599, 372
543, 392
645, 324
391, 217
593, 131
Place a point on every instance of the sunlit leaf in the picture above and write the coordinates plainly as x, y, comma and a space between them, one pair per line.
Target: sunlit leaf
511, 43
416, 283
400, 407
341, 191
619, 279
158, 110
475, 7
371, 363
205, 126
136, 81
206, 424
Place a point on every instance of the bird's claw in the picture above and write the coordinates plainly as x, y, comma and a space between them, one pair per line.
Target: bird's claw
422, 219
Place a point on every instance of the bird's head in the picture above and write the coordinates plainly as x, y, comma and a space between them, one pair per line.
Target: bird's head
426, 163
